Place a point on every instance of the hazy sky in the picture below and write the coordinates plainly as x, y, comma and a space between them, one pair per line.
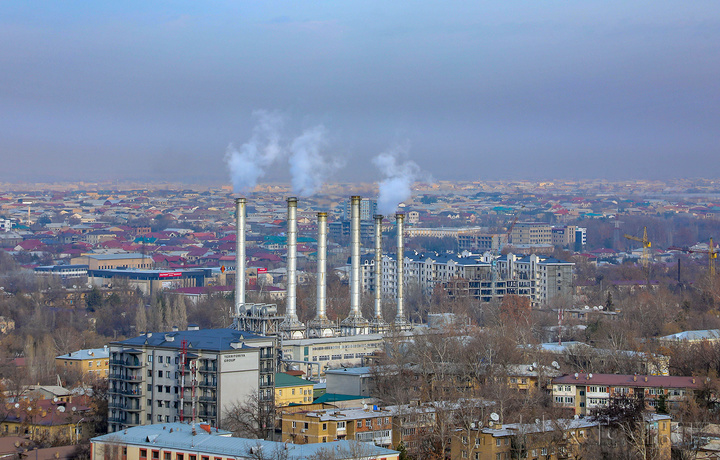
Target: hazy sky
156, 90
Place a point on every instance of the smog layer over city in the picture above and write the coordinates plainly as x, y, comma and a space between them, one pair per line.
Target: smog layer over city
359, 230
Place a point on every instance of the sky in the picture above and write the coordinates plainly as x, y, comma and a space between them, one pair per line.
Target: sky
157, 91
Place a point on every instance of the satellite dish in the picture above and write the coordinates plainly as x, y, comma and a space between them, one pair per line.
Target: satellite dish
74, 408
577, 375
587, 307
535, 364
576, 416
555, 365
74, 286
590, 375
472, 426
17, 405
494, 417
55, 399
600, 307
537, 421
61, 409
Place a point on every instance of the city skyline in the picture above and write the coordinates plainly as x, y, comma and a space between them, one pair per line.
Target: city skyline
157, 92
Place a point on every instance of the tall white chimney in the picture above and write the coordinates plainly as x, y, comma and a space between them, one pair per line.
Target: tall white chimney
378, 267
399, 220
291, 310
321, 314
355, 256
240, 210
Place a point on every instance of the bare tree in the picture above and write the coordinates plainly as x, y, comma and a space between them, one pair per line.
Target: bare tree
251, 418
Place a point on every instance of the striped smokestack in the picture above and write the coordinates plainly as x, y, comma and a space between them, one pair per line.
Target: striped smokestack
240, 205
355, 256
378, 267
291, 310
399, 220
321, 266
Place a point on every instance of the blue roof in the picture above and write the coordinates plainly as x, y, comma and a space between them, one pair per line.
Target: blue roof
205, 339
90, 353
178, 436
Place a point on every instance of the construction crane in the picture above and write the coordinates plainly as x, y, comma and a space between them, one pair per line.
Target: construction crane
646, 246
711, 251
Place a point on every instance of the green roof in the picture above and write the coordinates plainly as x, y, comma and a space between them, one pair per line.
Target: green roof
286, 380
335, 397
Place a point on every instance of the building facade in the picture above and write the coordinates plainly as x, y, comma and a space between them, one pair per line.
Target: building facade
92, 362
161, 377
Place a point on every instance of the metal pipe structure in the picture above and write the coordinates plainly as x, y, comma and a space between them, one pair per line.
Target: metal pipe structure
378, 267
321, 266
240, 210
399, 221
355, 257
291, 310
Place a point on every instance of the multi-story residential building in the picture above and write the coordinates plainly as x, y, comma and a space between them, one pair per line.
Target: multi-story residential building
46, 420
151, 376
549, 439
552, 439
479, 241
564, 236
531, 233
372, 424
178, 441
541, 278
553, 276
368, 208
292, 390
92, 362
583, 392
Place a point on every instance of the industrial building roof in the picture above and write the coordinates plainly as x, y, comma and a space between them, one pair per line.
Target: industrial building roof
178, 436
206, 339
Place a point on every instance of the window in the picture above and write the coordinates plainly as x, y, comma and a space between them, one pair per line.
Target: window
90, 363
279, 392
159, 388
149, 373
166, 456
159, 418
294, 424
159, 373
324, 426
156, 454
340, 425
143, 453
167, 388
464, 454
160, 359
368, 423
293, 391
359, 423
497, 442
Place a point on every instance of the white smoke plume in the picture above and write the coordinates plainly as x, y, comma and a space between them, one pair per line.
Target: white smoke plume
247, 164
399, 175
308, 168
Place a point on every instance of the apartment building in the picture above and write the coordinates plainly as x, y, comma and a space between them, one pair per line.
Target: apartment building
160, 377
292, 390
92, 362
371, 424
551, 439
531, 233
541, 278
583, 392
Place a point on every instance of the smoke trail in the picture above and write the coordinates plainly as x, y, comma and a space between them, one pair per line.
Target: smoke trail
308, 168
399, 177
247, 164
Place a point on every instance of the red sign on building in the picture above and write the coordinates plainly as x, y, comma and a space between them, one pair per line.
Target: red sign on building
170, 274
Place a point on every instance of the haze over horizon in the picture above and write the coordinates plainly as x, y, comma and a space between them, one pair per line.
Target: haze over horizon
156, 91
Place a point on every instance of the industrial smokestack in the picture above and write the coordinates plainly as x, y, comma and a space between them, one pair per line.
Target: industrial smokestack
240, 210
321, 266
355, 256
291, 311
399, 219
378, 267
